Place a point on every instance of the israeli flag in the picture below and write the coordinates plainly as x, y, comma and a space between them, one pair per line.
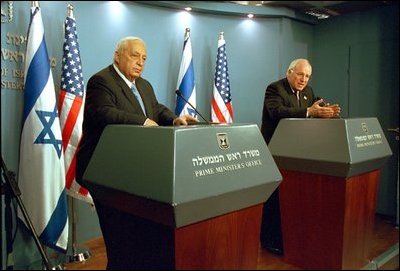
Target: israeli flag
41, 174
186, 81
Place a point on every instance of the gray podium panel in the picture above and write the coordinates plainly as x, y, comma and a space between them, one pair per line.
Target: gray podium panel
201, 171
335, 147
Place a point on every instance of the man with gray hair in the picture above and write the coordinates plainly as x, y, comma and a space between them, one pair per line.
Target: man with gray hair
119, 95
290, 97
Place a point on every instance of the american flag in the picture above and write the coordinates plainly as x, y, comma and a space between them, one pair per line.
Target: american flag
71, 103
41, 174
221, 104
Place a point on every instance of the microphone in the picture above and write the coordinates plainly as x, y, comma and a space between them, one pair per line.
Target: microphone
321, 103
179, 93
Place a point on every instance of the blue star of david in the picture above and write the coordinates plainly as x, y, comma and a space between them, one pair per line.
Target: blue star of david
192, 112
46, 136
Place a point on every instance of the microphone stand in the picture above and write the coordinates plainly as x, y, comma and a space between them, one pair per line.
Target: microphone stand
11, 186
179, 93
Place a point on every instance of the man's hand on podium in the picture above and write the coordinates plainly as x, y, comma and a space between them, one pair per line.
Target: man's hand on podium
150, 122
185, 120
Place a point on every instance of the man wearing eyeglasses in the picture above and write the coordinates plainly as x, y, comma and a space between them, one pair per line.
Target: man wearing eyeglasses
290, 97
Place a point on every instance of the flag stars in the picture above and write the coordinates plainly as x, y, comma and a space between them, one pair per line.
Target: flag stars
72, 69
221, 75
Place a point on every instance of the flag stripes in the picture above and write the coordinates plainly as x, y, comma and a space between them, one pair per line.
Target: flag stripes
41, 174
186, 82
71, 104
221, 102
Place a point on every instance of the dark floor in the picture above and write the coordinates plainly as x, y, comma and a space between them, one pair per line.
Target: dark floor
386, 235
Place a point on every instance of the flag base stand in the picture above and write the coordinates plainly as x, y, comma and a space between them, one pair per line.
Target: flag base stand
80, 257
38, 265
11, 190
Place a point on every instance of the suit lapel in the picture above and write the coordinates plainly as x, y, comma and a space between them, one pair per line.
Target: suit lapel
127, 91
291, 95
305, 98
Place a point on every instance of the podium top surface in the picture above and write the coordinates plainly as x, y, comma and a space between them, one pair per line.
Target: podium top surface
338, 147
186, 164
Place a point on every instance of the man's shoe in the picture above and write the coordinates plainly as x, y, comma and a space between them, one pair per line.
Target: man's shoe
274, 250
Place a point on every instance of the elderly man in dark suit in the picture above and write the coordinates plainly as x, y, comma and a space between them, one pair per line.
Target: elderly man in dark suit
290, 97
119, 95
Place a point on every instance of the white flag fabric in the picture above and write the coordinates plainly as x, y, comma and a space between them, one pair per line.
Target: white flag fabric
41, 175
71, 103
221, 102
186, 81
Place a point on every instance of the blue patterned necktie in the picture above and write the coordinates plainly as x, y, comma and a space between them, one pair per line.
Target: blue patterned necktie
138, 97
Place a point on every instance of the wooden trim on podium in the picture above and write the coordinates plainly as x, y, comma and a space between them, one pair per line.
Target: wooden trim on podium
229, 241
159, 212
327, 221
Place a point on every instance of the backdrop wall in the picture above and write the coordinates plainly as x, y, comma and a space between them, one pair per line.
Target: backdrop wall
258, 53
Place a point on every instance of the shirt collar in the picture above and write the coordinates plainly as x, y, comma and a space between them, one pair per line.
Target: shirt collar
129, 83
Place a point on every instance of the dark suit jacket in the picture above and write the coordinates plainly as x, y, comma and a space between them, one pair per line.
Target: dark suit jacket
280, 102
110, 101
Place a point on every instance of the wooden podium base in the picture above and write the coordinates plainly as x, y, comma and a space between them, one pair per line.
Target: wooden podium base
230, 241
149, 240
327, 221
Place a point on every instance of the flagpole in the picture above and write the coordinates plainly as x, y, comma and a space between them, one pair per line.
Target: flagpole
81, 256
187, 33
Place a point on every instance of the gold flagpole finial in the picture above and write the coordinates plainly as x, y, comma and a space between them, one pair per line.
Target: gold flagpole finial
35, 4
221, 36
187, 33
70, 11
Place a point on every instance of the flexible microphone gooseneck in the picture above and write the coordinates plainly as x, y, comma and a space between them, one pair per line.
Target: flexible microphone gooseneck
179, 93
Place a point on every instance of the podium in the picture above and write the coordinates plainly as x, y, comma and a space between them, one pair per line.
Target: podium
195, 191
331, 170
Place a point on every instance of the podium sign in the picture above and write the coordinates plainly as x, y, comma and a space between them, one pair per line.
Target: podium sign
335, 147
331, 170
200, 171
188, 191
